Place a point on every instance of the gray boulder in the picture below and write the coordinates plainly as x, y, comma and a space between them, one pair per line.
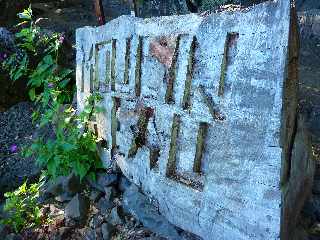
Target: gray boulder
90, 235
54, 187
73, 184
138, 205
63, 188
104, 180
104, 206
124, 184
114, 217
96, 221
77, 209
95, 195
107, 231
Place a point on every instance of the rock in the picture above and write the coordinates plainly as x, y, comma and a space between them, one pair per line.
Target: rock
71, 223
124, 184
103, 180
107, 231
152, 238
64, 232
96, 221
64, 197
106, 179
139, 206
104, 205
90, 235
63, 188
54, 187
188, 236
110, 193
95, 195
98, 233
315, 229
302, 168
114, 217
73, 184
130, 221
77, 209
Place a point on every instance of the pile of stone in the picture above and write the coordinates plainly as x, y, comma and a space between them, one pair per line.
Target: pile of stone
104, 209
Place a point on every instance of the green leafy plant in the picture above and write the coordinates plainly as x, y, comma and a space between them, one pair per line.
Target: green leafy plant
37, 62
22, 208
74, 148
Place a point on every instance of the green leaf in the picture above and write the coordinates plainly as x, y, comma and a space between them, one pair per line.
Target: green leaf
25, 15
68, 147
48, 60
64, 83
65, 72
22, 208
92, 176
80, 169
32, 94
51, 165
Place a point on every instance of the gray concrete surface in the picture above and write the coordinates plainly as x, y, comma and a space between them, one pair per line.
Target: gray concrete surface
195, 110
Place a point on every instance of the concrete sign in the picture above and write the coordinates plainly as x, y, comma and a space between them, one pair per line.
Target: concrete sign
194, 107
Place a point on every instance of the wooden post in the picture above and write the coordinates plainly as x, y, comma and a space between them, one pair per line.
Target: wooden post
135, 8
99, 12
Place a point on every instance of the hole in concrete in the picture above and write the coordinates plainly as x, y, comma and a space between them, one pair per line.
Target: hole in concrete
154, 157
113, 65
138, 71
186, 102
229, 43
127, 61
140, 130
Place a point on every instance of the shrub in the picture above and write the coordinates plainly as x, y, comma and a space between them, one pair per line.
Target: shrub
37, 61
22, 208
73, 147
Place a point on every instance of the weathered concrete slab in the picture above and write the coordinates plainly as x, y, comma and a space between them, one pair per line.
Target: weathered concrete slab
195, 108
